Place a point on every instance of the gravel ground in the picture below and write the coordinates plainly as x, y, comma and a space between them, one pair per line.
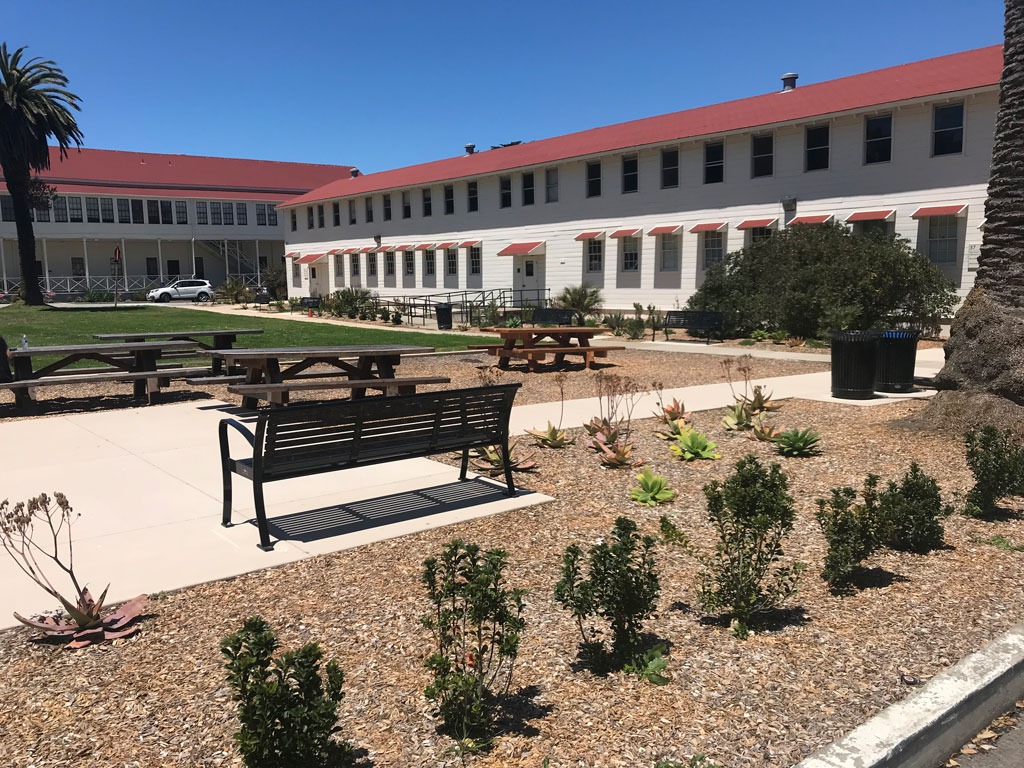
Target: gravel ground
674, 368
825, 350
159, 699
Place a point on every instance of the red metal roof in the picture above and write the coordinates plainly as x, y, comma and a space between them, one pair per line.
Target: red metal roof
756, 223
425, 247
113, 172
351, 250
368, 249
292, 255
382, 249
871, 215
668, 229
626, 232
712, 226
521, 249
589, 235
309, 258
403, 247
946, 74
442, 246
815, 219
939, 210
469, 243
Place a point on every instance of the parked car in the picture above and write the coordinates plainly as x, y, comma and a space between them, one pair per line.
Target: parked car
197, 290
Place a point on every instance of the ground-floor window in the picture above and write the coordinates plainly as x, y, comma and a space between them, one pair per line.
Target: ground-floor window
410, 263
451, 258
475, 260
630, 253
942, 236
296, 274
371, 264
713, 247
595, 255
669, 247
339, 267
77, 266
429, 266
355, 264
173, 268
152, 268
389, 264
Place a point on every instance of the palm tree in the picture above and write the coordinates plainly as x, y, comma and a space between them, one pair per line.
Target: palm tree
34, 106
986, 343
584, 300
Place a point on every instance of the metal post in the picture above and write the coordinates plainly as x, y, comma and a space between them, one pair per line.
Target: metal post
159, 260
3, 264
124, 265
85, 258
259, 281
46, 266
193, 256
227, 259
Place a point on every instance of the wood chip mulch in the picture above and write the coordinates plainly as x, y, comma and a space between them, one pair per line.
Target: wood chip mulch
825, 666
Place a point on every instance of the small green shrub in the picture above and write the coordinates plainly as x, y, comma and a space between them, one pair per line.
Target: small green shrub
396, 318
634, 328
997, 464
778, 337
747, 342
692, 445
513, 321
910, 513
92, 295
475, 620
798, 444
849, 529
751, 513
759, 335
651, 490
622, 588
287, 709
615, 323
584, 300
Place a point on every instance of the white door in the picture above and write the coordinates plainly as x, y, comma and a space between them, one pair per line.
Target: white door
318, 281
529, 278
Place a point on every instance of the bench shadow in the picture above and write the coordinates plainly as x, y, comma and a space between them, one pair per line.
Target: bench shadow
55, 406
340, 519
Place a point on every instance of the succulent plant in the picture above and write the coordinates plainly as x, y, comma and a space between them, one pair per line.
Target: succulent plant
674, 411
652, 489
618, 454
694, 445
762, 431
799, 444
87, 624
488, 459
600, 430
673, 429
552, 437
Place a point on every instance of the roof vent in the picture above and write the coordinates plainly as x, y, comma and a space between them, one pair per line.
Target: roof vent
789, 81
354, 172
470, 149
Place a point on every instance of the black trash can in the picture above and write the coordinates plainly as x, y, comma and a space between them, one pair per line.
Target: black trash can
894, 360
853, 364
443, 313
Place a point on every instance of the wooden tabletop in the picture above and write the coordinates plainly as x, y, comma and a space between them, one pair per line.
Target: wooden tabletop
174, 334
128, 346
249, 353
528, 331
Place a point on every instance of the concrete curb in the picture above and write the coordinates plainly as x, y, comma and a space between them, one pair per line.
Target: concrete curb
924, 729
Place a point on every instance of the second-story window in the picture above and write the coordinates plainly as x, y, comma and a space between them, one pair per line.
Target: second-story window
551, 185
406, 206
261, 214
352, 213
472, 197
295, 219
309, 217
92, 210
60, 209
630, 173
595, 255
449, 199
428, 207
137, 217
878, 139
387, 207
527, 179
669, 168
505, 191
816, 140
241, 214
335, 213
215, 214
948, 130
124, 211
762, 156
203, 218
714, 162
271, 215
75, 209
106, 210
229, 214
320, 216
181, 212
368, 207
594, 178
153, 211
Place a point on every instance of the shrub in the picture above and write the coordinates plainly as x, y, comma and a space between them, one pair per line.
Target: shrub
475, 620
759, 335
552, 437
275, 281
910, 513
849, 529
998, 467
235, 291
92, 295
615, 323
617, 454
584, 300
287, 708
622, 588
396, 318
651, 490
798, 443
352, 301
752, 513
488, 459
692, 445
634, 329
807, 279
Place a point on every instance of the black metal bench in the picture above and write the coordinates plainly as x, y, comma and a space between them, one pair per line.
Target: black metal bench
551, 316
307, 440
695, 320
308, 302
261, 299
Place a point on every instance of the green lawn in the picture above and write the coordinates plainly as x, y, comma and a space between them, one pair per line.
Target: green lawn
76, 325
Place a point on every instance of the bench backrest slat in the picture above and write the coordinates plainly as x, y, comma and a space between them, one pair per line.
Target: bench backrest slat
696, 319
334, 435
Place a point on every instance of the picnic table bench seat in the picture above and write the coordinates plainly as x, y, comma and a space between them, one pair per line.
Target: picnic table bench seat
274, 393
153, 380
305, 440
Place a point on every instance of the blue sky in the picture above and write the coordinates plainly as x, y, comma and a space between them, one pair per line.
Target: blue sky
386, 84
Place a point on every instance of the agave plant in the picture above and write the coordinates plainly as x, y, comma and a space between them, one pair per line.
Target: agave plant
761, 402
738, 417
762, 430
673, 429
798, 444
552, 437
488, 459
652, 489
618, 454
694, 445
600, 431
85, 623
674, 411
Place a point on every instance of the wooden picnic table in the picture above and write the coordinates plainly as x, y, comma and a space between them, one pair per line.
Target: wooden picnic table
364, 362
529, 344
221, 339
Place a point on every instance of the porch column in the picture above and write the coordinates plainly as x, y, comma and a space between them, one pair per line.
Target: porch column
227, 260
159, 260
46, 266
3, 265
124, 265
193, 255
258, 281
85, 258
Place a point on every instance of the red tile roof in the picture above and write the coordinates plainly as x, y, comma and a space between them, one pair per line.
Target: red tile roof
946, 74
113, 172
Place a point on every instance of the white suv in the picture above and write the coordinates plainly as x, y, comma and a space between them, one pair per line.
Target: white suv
197, 290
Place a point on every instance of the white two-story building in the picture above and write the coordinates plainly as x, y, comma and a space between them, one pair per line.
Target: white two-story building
170, 216
641, 209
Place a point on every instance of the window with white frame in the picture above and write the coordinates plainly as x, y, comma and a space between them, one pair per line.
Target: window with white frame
241, 214
713, 248
878, 139
714, 162
74, 209
669, 247
948, 130
106, 210
387, 207
124, 211
762, 156
60, 209
451, 261
295, 219
527, 179
595, 254
181, 212
339, 267
354, 264
942, 239
449, 199
429, 265
410, 263
505, 191
202, 218
630, 253
630, 173
7, 208
551, 185
759, 234
271, 215
92, 210
296, 274
371, 264
389, 264
261, 214
472, 197
320, 216
309, 216
428, 206
368, 208
816, 142
475, 260
78, 266
43, 213
137, 209
228, 210
594, 178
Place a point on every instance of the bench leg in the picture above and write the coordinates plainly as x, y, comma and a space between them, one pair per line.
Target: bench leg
506, 460
465, 464
225, 518
261, 517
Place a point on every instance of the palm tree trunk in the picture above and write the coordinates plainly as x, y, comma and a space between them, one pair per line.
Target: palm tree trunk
17, 180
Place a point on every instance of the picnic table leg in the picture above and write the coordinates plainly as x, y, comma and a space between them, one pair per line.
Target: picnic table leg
364, 370
503, 360
588, 356
274, 377
145, 360
253, 375
221, 342
24, 399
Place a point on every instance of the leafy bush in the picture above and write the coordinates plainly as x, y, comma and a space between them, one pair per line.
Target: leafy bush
617, 454
475, 620
807, 280
778, 337
692, 445
798, 443
634, 329
287, 709
652, 489
513, 321
275, 281
92, 295
352, 301
998, 467
396, 318
752, 513
849, 529
759, 335
584, 300
235, 291
910, 513
622, 588
672, 430
615, 323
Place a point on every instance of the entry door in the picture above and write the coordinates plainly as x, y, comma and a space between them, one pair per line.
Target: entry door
529, 277
318, 281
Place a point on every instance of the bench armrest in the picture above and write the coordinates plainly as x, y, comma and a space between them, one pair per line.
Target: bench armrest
222, 430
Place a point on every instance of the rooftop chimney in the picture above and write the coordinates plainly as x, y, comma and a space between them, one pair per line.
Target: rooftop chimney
789, 81
354, 172
470, 149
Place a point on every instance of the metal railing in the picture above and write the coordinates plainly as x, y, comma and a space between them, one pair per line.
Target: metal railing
468, 307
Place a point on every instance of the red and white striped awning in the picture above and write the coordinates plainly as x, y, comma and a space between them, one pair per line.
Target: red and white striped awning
425, 247
629, 232
469, 244
380, 249
590, 235
711, 226
818, 218
939, 210
522, 249
443, 246
350, 250
757, 223
309, 258
292, 255
667, 229
403, 247
886, 215
368, 249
